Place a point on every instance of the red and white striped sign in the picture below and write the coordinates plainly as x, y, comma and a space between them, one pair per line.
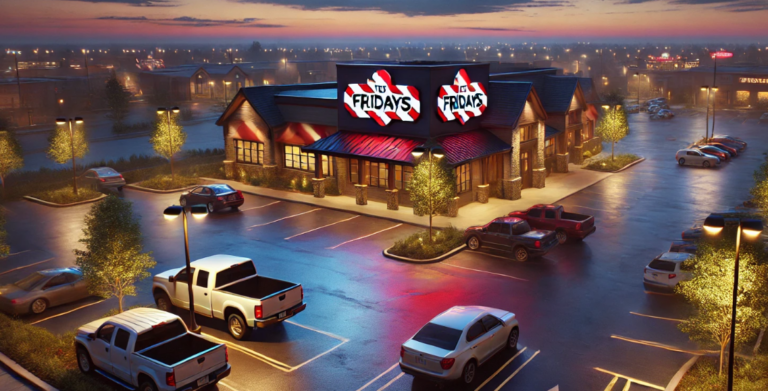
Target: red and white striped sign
381, 100
461, 100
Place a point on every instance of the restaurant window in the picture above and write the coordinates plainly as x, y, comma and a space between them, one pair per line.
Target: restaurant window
249, 151
376, 174
527, 132
574, 117
742, 98
463, 182
549, 147
403, 175
327, 165
354, 171
294, 158
762, 97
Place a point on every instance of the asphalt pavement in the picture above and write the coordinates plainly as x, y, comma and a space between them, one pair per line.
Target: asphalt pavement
586, 323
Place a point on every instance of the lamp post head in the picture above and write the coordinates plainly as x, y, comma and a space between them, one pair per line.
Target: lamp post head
161, 110
418, 151
175, 110
61, 121
751, 227
438, 153
714, 224
78, 120
606, 107
704, 88
199, 211
173, 212
714, 89
227, 82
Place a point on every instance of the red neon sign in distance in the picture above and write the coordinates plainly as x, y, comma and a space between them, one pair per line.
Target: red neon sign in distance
721, 54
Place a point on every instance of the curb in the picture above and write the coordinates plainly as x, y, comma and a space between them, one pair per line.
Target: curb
673, 383
642, 159
431, 260
55, 205
148, 190
19, 370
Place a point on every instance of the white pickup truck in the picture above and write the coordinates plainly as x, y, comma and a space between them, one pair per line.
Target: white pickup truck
150, 350
227, 287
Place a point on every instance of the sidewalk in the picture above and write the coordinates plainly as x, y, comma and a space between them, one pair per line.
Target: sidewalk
558, 186
10, 381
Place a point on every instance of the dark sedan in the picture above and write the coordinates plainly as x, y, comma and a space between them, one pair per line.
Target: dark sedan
730, 139
724, 147
715, 151
215, 197
511, 235
41, 290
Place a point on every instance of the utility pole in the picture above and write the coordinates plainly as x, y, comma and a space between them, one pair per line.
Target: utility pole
18, 80
87, 76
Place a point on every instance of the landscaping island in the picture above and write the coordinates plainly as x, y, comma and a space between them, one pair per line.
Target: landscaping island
606, 164
66, 196
418, 247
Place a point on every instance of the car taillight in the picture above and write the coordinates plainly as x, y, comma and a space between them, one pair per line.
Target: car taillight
14, 301
220, 198
578, 226
537, 244
240, 194
121, 176
102, 179
170, 379
226, 353
258, 312
671, 276
402, 352
302, 292
447, 363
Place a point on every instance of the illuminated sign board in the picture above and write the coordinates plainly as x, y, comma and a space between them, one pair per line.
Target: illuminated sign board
721, 54
753, 80
381, 100
461, 100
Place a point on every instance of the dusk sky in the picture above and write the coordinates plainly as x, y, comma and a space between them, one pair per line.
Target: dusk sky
166, 21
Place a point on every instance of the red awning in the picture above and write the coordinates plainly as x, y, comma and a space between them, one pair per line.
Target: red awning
244, 131
349, 144
592, 112
303, 134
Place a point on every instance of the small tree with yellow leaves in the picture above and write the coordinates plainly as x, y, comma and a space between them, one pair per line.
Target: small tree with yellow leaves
430, 196
66, 146
10, 155
168, 138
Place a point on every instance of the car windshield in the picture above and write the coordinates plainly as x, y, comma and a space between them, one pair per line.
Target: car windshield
439, 336
159, 333
31, 281
218, 189
666, 266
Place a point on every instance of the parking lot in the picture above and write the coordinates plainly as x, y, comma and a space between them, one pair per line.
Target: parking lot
585, 321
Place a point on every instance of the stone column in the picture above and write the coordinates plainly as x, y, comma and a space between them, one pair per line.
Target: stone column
453, 207
539, 177
513, 187
393, 201
483, 192
539, 170
578, 154
229, 169
318, 187
361, 194
561, 164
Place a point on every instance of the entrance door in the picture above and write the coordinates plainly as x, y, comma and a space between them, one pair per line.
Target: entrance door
526, 168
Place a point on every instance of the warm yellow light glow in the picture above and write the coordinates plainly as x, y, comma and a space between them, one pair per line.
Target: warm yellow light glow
417, 153
79, 121
61, 100
751, 233
176, 111
714, 89
61, 122
703, 88
199, 215
160, 111
227, 82
170, 217
713, 230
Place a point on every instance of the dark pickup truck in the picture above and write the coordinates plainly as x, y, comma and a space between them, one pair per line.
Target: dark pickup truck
511, 235
555, 218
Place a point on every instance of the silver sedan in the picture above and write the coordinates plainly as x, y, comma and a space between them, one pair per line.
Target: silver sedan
453, 344
41, 290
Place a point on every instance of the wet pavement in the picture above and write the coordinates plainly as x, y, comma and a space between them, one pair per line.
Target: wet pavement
581, 308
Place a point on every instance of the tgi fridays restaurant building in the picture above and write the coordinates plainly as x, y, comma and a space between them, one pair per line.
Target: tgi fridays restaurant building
355, 137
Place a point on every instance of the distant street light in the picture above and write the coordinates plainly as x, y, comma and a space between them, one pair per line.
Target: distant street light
210, 83
198, 211
226, 87
752, 228
68, 121
18, 80
87, 77
637, 75
706, 127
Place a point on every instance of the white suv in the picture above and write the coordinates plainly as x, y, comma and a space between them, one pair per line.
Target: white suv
664, 272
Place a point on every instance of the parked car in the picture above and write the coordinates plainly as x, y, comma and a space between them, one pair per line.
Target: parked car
103, 178
664, 272
453, 344
511, 235
728, 143
227, 287
554, 218
694, 157
764, 118
150, 350
216, 197
724, 147
683, 246
721, 137
41, 290
653, 109
714, 151
693, 233
633, 109
665, 114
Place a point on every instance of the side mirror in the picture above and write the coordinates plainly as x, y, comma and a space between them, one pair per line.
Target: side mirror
171, 279
91, 336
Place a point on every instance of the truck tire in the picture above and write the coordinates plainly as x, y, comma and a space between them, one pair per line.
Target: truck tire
473, 243
520, 253
237, 327
84, 360
148, 385
562, 237
163, 302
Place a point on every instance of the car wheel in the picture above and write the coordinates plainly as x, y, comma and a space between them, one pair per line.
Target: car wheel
38, 306
705, 164
561, 236
473, 243
521, 254
183, 201
514, 335
147, 386
681, 161
163, 302
84, 360
237, 327
119, 188
468, 375
210, 207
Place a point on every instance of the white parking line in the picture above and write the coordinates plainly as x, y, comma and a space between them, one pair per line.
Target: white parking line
656, 317
631, 380
259, 207
318, 331
500, 369
64, 313
483, 271
284, 218
363, 237
22, 267
516, 371
391, 381
378, 377
661, 345
12, 254
612, 383
325, 226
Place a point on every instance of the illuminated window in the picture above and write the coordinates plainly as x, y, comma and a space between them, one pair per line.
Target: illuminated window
375, 174
463, 178
762, 97
549, 147
354, 171
403, 175
249, 151
327, 165
742, 98
574, 117
527, 132
294, 158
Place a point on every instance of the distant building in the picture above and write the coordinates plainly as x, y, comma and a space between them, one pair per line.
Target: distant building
738, 87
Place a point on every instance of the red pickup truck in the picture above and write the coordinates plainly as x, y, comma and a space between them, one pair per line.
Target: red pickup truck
555, 218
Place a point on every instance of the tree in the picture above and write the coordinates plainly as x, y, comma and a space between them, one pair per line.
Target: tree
113, 261
10, 155
710, 291
118, 100
168, 138
429, 197
65, 146
5, 249
613, 126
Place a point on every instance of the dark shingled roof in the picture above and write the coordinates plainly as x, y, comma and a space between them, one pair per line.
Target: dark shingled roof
507, 101
262, 98
587, 86
551, 132
465, 146
366, 145
558, 93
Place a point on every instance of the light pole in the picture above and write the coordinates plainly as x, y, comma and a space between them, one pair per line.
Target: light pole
752, 228
68, 121
18, 80
226, 86
614, 109
438, 153
637, 75
168, 111
706, 128
87, 77
198, 211
210, 83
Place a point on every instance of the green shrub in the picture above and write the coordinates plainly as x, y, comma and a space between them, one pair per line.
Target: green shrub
607, 165
587, 154
164, 182
66, 195
417, 245
5, 249
50, 357
749, 375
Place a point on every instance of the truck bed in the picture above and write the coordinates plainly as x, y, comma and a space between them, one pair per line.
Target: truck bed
258, 287
179, 349
573, 216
